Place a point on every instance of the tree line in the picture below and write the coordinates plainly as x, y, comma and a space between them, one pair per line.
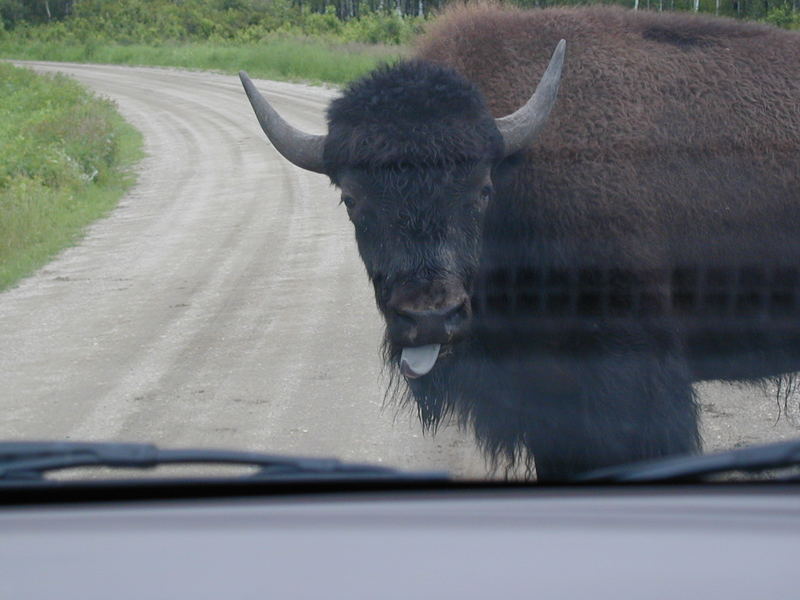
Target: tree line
248, 12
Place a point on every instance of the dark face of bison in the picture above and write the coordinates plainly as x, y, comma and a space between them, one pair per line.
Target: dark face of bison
411, 148
418, 232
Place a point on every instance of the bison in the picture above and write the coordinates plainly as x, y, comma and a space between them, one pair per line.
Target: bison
557, 276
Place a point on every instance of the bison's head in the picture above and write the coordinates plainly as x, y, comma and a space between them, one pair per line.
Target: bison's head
411, 147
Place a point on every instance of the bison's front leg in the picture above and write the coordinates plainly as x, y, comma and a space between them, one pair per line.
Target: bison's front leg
613, 403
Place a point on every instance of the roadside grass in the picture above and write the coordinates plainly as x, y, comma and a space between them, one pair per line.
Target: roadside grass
283, 58
65, 159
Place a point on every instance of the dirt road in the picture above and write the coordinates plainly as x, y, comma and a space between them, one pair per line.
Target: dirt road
223, 303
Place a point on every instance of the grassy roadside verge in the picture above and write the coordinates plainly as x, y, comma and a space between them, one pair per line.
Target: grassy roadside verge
65, 159
283, 58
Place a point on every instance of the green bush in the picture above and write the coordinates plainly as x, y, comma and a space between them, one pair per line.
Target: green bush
784, 16
325, 24
377, 28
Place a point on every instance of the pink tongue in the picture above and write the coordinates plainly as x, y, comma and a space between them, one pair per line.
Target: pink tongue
416, 362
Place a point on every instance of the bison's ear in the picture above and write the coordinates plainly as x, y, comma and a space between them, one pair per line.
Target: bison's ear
298, 147
522, 127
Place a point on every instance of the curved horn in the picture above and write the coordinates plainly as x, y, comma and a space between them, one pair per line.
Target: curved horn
298, 147
522, 127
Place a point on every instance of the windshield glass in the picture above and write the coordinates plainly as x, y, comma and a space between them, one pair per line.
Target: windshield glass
496, 241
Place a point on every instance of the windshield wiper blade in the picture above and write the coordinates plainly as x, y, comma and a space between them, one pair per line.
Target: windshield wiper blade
754, 459
32, 460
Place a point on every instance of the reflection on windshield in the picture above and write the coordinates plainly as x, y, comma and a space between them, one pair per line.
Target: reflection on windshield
718, 294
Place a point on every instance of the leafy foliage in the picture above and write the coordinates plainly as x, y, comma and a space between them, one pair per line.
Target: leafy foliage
784, 16
157, 21
368, 21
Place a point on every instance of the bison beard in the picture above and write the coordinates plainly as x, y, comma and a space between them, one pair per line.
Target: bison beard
660, 180
621, 394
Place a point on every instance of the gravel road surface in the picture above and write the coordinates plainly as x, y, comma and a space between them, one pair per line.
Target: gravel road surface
223, 303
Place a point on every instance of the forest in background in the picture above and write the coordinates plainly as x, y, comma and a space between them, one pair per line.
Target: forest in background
364, 21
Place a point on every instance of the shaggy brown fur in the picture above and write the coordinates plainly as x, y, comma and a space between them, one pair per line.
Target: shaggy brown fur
674, 143
572, 292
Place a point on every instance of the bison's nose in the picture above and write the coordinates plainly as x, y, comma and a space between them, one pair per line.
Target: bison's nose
441, 326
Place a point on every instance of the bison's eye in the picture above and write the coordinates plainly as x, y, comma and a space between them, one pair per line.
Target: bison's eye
348, 201
486, 194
